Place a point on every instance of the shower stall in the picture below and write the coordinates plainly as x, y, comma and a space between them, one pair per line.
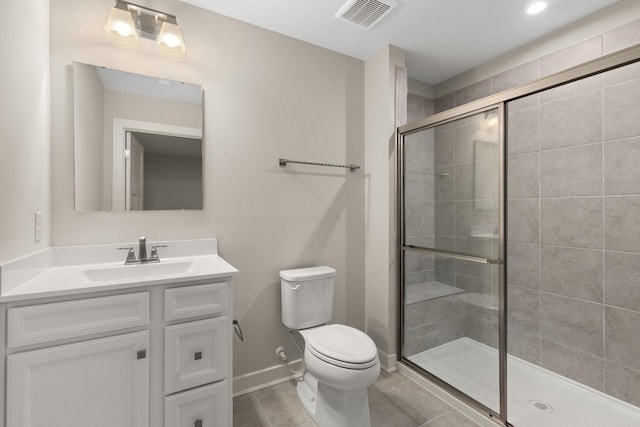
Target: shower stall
519, 247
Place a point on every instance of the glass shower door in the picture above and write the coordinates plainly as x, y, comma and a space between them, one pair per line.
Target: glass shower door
451, 274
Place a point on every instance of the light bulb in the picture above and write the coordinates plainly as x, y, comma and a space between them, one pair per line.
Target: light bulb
171, 40
123, 28
120, 27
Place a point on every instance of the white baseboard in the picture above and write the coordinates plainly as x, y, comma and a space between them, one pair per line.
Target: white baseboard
276, 374
263, 378
448, 398
388, 362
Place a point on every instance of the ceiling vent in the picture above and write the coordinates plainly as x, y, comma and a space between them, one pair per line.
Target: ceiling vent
365, 13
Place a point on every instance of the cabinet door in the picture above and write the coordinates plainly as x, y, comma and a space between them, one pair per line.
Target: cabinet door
201, 407
97, 383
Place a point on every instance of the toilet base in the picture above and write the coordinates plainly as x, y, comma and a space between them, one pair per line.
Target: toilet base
330, 407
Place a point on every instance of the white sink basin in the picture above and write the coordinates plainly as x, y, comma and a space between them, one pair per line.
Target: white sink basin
75, 270
131, 272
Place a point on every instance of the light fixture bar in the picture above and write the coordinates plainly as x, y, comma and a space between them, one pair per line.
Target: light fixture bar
128, 20
147, 21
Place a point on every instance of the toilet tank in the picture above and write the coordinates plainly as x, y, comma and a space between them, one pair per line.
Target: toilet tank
307, 296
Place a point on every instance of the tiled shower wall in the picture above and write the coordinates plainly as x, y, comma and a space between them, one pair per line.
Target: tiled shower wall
574, 235
422, 319
574, 202
466, 221
419, 190
444, 211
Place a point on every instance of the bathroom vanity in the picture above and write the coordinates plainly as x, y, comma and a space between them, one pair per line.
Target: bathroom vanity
90, 341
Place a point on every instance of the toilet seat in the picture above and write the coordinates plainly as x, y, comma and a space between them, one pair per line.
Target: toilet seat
342, 346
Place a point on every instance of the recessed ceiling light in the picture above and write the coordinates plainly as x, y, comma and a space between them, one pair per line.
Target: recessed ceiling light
536, 7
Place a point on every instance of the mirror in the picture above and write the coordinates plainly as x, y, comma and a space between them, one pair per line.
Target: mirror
137, 141
485, 165
485, 160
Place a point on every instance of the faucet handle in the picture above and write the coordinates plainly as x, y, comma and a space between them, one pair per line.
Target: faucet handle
154, 253
131, 256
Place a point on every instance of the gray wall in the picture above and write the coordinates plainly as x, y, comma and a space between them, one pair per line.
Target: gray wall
424, 325
419, 192
574, 242
172, 182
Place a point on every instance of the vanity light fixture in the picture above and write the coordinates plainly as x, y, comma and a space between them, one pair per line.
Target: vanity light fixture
491, 119
127, 22
536, 7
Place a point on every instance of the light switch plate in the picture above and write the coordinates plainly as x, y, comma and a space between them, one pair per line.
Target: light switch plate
37, 226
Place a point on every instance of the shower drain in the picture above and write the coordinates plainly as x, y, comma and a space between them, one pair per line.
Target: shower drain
543, 406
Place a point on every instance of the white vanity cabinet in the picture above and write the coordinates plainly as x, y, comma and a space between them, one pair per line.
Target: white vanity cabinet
145, 357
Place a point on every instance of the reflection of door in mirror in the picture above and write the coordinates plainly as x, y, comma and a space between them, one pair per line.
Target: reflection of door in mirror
156, 166
135, 173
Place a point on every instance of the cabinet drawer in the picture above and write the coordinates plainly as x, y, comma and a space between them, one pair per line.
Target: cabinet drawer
196, 353
47, 322
203, 407
199, 300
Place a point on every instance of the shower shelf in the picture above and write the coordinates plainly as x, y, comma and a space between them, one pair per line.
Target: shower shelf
419, 292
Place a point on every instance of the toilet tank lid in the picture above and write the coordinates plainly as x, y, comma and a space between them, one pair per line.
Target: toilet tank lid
309, 273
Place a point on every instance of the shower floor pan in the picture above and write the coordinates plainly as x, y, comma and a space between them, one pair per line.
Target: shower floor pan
536, 397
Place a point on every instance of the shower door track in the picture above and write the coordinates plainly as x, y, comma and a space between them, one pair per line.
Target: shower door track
605, 63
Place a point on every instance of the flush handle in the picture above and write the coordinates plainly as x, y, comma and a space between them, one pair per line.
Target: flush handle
197, 355
296, 287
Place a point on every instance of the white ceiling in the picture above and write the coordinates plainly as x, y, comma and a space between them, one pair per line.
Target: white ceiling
138, 84
441, 38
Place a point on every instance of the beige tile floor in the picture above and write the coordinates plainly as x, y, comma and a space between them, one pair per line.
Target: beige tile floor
395, 401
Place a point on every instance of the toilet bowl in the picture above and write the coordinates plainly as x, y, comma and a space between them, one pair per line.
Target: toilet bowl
340, 361
340, 356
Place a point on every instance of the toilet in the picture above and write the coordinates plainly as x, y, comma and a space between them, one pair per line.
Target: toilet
340, 361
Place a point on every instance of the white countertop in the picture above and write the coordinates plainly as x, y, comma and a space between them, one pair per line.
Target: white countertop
53, 272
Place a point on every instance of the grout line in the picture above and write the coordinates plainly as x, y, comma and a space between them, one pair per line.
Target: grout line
570, 147
570, 297
570, 197
554, 245
264, 412
569, 97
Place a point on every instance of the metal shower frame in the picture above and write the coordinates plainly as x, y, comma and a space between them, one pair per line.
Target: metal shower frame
606, 63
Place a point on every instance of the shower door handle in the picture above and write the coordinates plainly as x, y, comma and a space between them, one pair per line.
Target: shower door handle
454, 255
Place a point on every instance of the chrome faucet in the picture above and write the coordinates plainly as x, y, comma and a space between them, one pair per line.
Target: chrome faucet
142, 253
142, 249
